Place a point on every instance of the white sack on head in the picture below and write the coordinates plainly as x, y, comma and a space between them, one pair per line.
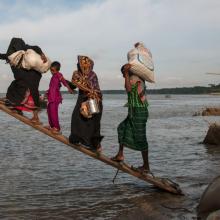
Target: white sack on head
141, 62
30, 60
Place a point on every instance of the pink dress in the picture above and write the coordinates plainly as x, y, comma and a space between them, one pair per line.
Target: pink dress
54, 94
54, 99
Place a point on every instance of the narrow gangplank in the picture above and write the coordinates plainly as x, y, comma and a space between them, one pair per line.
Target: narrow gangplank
162, 183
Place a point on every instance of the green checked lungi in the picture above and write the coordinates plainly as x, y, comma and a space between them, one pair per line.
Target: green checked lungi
132, 131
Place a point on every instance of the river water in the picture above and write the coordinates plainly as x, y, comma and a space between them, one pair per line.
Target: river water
43, 179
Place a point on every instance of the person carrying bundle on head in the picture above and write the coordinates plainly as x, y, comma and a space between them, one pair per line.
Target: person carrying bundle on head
132, 131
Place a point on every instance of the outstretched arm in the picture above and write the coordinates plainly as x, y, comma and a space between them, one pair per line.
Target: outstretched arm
65, 83
71, 85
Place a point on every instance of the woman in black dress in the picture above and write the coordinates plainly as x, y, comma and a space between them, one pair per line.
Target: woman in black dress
23, 94
86, 130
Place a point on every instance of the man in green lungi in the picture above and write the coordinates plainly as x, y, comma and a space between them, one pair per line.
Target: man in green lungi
132, 131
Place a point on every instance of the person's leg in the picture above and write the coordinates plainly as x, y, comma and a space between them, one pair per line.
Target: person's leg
99, 148
35, 118
145, 166
120, 155
32, 80
97, 137
49, 113
56, 116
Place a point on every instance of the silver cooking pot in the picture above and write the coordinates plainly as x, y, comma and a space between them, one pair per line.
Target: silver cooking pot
93, 106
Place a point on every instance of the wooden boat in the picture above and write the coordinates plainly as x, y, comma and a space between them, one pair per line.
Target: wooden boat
162, 183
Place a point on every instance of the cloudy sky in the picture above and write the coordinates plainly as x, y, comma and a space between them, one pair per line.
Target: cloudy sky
184, 36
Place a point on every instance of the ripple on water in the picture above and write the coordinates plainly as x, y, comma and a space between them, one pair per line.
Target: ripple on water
43, 179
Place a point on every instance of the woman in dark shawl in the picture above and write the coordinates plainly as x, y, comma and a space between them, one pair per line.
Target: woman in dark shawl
23, 94
86, 130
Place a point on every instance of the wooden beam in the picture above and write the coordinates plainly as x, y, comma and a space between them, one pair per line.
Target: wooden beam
161, 183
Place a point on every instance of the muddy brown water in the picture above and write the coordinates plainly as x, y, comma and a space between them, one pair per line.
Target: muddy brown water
43, 179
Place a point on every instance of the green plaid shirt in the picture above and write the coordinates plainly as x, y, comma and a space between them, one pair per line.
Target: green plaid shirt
134, 99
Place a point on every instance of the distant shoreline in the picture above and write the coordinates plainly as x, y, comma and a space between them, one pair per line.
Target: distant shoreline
196, 90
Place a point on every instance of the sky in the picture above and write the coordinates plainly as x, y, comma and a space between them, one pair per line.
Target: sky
183, 37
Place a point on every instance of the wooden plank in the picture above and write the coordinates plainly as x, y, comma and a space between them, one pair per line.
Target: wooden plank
161, 183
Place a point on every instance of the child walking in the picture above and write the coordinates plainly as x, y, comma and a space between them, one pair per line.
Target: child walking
54, 97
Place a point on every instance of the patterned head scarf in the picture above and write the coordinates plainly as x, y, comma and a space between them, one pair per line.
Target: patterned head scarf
85, 79
85, 64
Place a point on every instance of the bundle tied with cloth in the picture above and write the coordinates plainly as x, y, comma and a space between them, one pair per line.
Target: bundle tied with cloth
140, 59
29, 60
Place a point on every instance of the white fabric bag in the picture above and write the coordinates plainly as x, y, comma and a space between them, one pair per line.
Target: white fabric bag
141, 62
30, 60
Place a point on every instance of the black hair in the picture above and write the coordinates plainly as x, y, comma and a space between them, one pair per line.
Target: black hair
56, 65
137, 44
123, 68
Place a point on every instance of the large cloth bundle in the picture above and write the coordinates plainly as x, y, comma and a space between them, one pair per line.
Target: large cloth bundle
141, 62
29, 60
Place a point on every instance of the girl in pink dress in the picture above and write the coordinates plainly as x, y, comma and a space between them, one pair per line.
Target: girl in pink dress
54, 97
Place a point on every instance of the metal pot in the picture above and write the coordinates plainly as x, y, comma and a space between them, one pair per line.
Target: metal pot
93, 106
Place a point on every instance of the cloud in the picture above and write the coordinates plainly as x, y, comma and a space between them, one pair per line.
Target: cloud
182, 35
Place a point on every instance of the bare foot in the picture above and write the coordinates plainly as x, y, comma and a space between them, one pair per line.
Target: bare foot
99, 149
35, 121
118, 158
48, 127
143, 170
55, 131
